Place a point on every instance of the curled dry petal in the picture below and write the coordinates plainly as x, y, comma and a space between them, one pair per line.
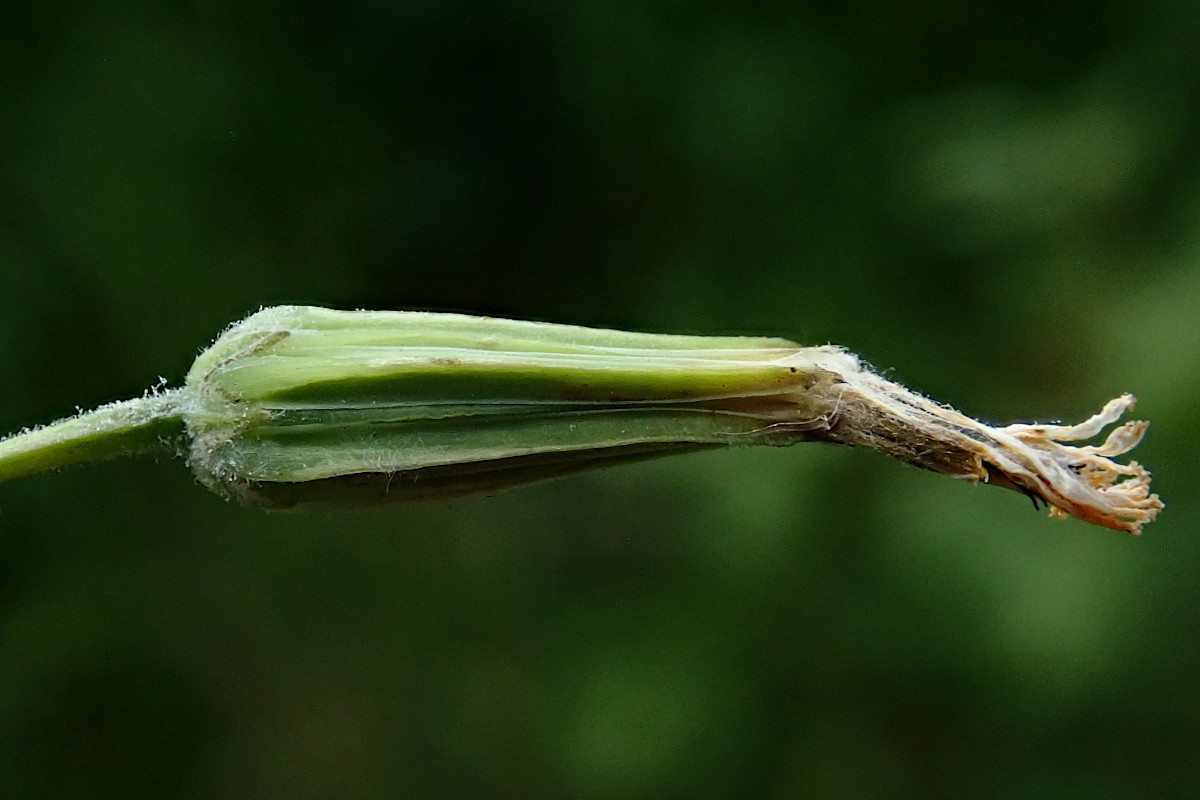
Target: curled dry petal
1079, 481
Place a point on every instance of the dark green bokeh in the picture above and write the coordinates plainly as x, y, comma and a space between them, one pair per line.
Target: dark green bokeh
999, 201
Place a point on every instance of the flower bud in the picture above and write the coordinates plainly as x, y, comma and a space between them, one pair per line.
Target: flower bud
297, 405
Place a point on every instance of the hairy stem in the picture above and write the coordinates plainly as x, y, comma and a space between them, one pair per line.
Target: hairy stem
151, 422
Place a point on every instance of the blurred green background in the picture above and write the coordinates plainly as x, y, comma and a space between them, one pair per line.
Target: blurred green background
998, 202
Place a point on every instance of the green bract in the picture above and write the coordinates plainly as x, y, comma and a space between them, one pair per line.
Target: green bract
297, 405
364, 404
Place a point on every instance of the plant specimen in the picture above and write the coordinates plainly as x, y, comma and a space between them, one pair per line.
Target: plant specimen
297, 405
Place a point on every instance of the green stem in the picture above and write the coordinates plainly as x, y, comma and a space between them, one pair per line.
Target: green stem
152, 422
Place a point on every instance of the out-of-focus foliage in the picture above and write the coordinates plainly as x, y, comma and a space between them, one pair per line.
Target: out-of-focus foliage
999, 201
